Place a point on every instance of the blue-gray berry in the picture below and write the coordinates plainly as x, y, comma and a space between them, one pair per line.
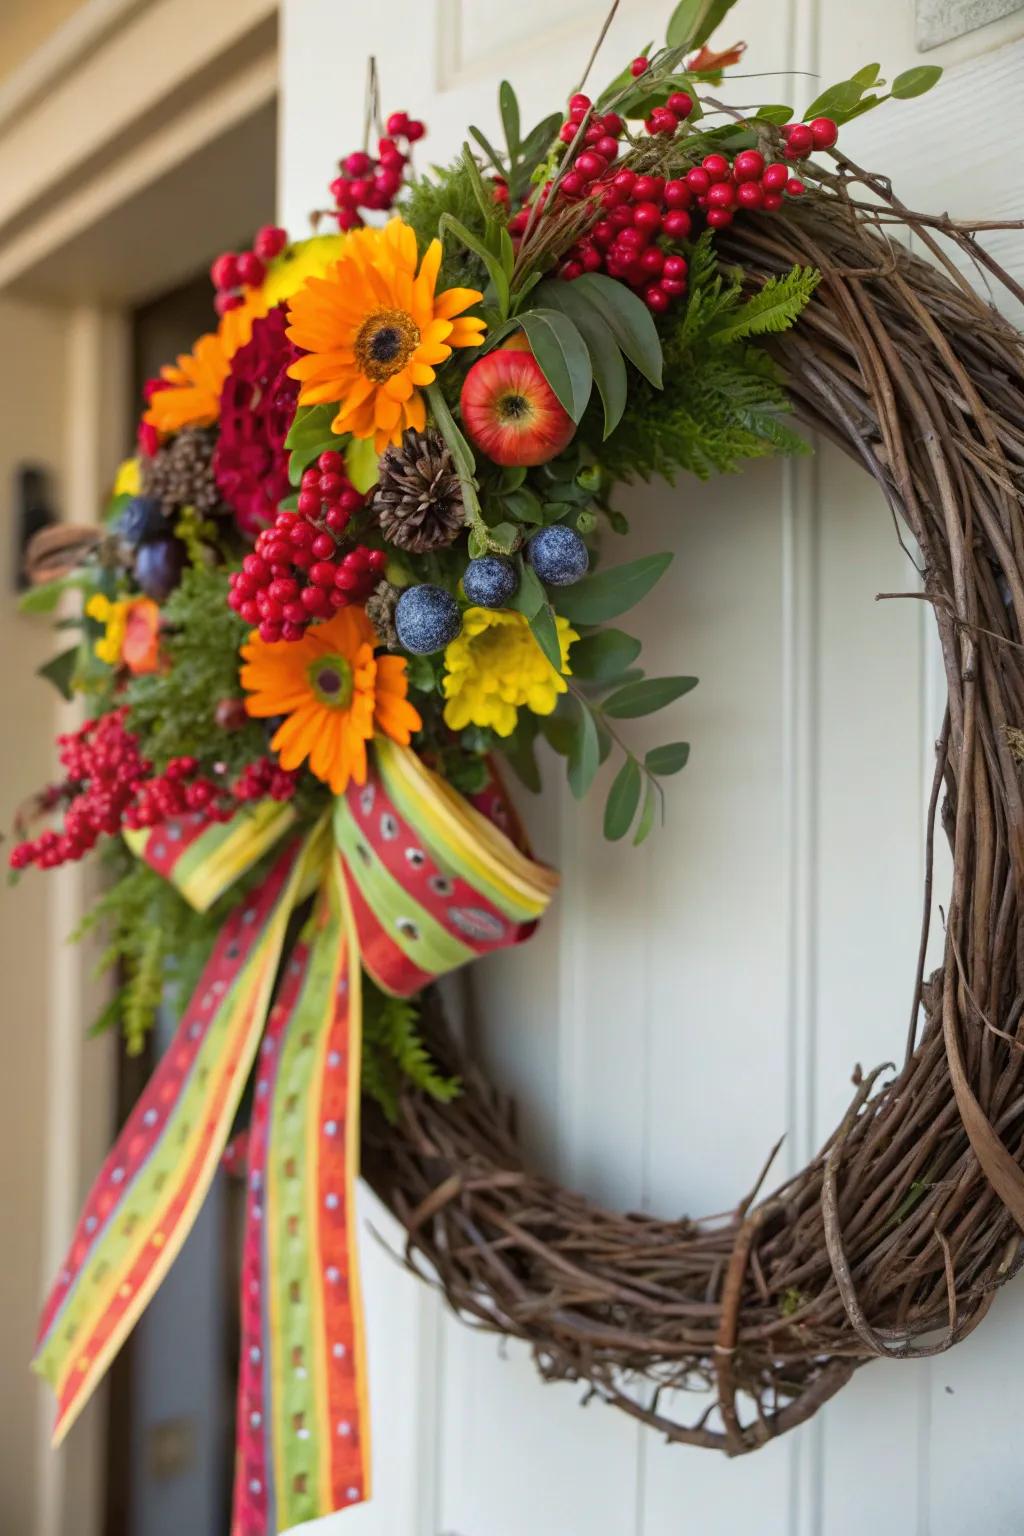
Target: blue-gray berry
143, 518
491, 581
558, 555
427, 619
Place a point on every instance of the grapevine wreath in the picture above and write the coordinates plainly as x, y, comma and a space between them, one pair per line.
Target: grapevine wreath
361, 564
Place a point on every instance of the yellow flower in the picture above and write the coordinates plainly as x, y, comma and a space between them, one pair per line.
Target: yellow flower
127, 481
374, 330
114, 617
495, 667
335, 693
297, 264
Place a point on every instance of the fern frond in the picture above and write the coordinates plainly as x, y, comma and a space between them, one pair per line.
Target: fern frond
777, 306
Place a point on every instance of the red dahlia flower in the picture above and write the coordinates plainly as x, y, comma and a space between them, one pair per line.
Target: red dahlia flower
257, 406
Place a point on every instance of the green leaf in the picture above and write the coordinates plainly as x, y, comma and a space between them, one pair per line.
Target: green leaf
693, 21
585, 754
774, 114
495, 271
489, 150
605, 358
867, 75
630, 321
545, 632
505, 536
837, 101
563, 357
604, 655
520, 751
775, 308
310, 435
361, 463
509, 108
606, 594
646, 821
914, 82
666, 760
44, 598
644, 697
60, 671
623, 799
530, 596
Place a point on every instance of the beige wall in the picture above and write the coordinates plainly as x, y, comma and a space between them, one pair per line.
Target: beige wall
24, 24
31, 426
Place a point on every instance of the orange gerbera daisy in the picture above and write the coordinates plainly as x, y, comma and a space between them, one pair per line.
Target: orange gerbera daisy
193, 384
375, 329
335, 693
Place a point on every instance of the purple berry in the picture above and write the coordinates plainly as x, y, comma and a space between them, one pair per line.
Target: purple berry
158, 567
427, 619
558, 555
490, 582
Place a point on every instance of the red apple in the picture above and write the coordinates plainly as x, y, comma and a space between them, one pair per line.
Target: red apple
510, 411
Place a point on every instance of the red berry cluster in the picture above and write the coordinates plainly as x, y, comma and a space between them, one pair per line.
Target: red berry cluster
103, 771
181, 788
234, 271
299, 570
366, 182
109, 786
801, 139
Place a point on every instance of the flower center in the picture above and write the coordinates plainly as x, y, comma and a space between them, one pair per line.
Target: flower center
330, 678
385, 343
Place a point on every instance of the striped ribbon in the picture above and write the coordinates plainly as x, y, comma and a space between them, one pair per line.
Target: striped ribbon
410, 881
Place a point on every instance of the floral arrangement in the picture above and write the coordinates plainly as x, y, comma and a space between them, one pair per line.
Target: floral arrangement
363, 563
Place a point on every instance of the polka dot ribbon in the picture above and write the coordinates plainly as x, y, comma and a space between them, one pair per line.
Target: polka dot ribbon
408, 880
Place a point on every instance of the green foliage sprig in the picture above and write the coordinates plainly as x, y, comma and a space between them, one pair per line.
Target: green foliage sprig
394, 1052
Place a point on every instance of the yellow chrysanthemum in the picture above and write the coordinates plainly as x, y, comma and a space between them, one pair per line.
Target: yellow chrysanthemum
114, 618
374, 330
495, 667
131, 632
127, 481
195, 381
335, 693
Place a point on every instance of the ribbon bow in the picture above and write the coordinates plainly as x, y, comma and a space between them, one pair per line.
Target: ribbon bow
410, 881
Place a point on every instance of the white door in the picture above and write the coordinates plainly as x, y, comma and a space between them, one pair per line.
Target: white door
689, 1002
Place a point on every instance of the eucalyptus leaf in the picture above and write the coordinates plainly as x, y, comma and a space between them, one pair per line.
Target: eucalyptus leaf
606, 594
545, 632
562, 355
623, 799
604, 655
669, 759
646, 822
530, 596
584, 758
605, 357
646, 696
914, 82
630, 321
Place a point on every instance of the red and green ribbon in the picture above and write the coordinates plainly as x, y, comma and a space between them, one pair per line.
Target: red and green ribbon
409, 881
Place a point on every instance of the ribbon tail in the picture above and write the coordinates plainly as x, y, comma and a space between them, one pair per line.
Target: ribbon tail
145, 1200
303, 1426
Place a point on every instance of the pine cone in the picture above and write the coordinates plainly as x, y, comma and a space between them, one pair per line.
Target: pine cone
418, 500
380, 610
180, 474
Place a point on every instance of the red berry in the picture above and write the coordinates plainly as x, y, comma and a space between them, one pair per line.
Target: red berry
656, 298
251, 270
270, 241
799, 141
775, 177
662, 120
639, 66
607, 147
717, 167
673, 285
647, 216
675, 267
718, 218
567, 132
224, 272
613, 124
572, 184
397, 123
698, 180
648, 189
222, 303
677, 224
824, 132
624, 181
677, 194
579, 103
750, 194
680, 103
795, 188
721, 195
590, 164
652, 260
415, 130
357, 164
309, 503
748, 165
